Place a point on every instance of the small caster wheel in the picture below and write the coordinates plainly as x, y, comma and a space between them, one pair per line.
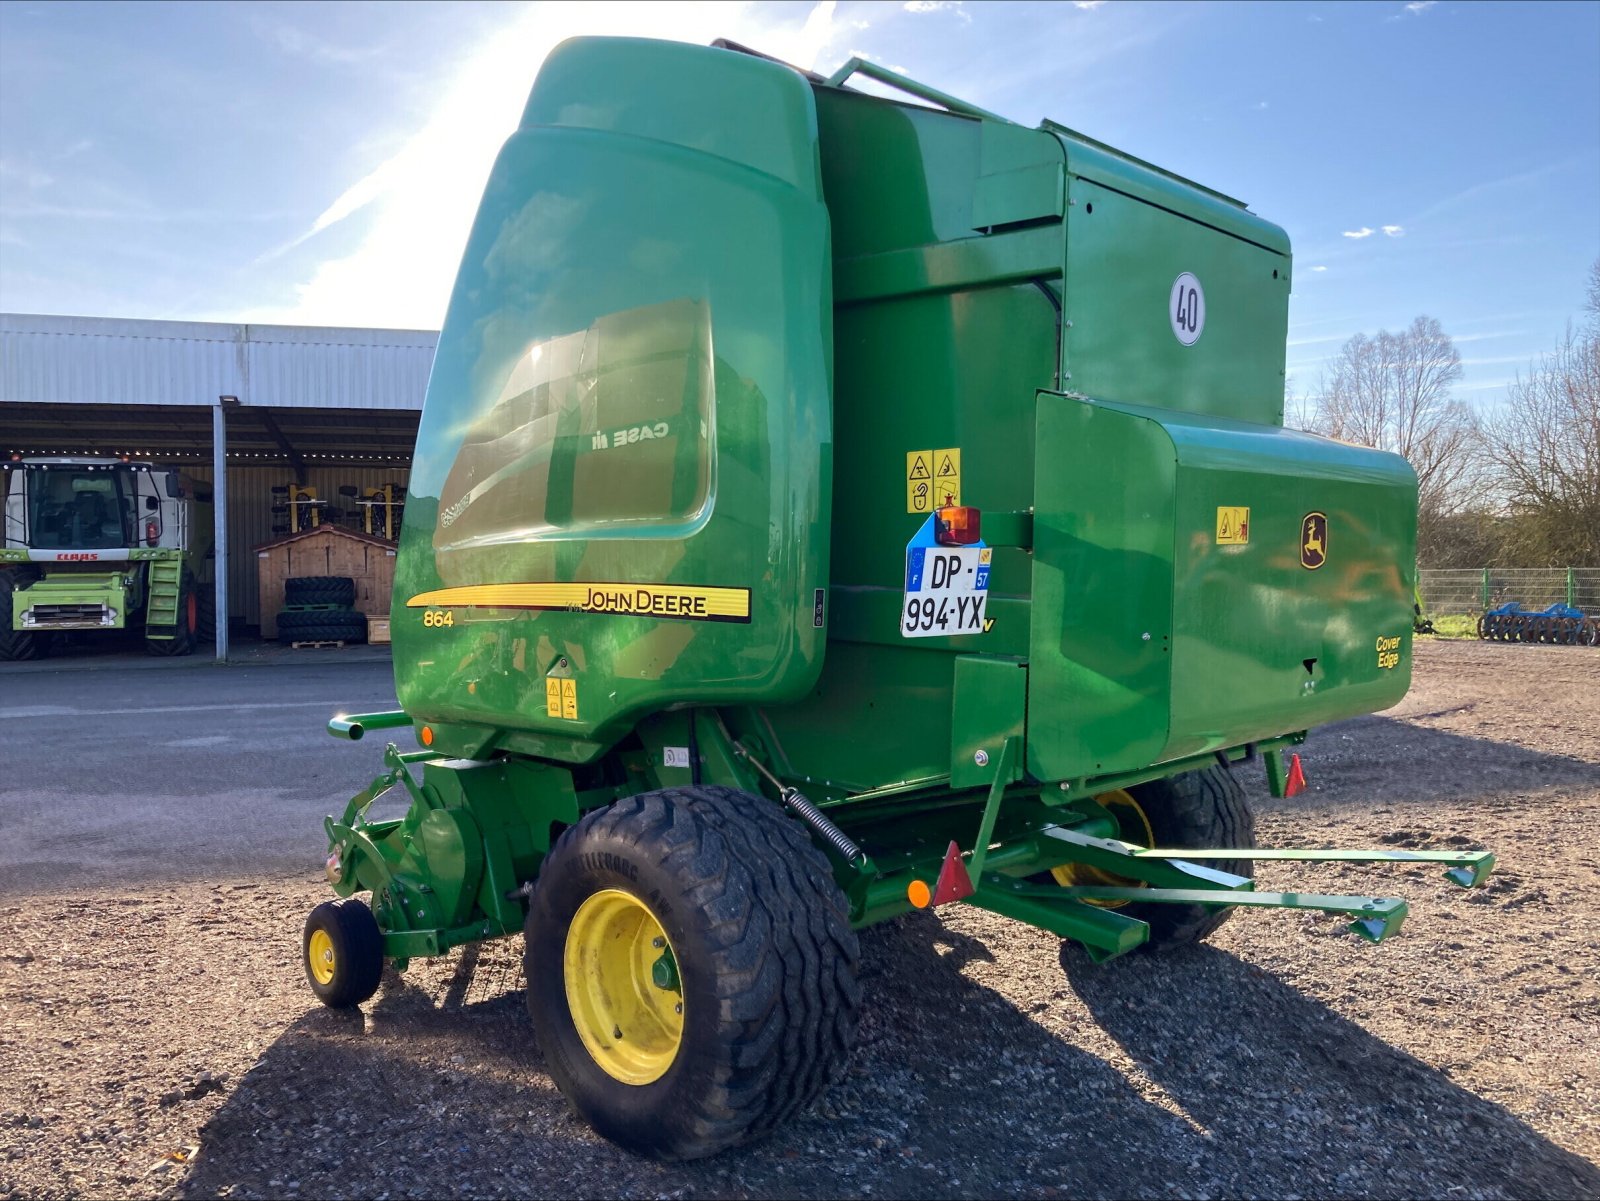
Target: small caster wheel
342, 949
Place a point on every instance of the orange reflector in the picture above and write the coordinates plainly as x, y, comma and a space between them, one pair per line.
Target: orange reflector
1296, 783
957, 525
918, 894
954, 883
427, 735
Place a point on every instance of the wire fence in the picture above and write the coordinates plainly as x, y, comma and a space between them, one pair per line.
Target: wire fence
1475, 589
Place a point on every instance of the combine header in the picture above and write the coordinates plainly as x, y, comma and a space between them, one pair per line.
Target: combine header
826, 507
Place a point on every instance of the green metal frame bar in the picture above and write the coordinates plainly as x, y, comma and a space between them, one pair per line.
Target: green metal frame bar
1466, 868
1376, 917
1104, 932
991, 809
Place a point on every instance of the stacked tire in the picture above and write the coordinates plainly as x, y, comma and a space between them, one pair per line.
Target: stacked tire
320, 608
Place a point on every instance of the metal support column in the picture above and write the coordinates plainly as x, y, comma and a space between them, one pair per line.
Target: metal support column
219, 515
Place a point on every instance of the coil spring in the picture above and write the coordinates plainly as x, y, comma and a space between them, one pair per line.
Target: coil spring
818, 821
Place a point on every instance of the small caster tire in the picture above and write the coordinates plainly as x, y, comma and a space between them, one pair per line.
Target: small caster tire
342, 950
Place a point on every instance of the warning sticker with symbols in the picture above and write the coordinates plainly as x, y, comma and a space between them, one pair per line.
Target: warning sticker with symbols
561, 698
1233, 525
919, 481
933, 479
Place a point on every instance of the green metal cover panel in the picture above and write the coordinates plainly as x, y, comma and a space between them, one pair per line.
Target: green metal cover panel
1124, 255
1152, 639
620, 497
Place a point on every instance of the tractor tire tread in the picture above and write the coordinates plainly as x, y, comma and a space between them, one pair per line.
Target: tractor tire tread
15, 645
1201, 809
780, 936
319, 590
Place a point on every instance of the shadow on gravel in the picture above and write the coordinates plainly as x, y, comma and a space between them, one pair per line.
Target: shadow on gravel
1324, 1108
1389, 760
953, 1092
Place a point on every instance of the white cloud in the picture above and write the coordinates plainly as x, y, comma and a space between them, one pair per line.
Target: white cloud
935, 6
1319, 268
1260, 105
295, 41
415, 207
1418, 7
1395, 231
1088, 6
1366, 231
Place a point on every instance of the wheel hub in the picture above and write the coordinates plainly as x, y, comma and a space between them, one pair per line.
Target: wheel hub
321, 957
623, 987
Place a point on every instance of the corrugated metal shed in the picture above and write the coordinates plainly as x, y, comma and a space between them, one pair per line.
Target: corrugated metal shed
250, 517
117, 361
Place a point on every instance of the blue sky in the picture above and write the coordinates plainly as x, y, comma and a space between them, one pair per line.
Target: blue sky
320, 163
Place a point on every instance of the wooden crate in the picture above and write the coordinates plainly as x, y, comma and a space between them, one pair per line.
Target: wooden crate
377, 628
325, 550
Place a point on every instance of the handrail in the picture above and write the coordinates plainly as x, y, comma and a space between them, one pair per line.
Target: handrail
353, 726
860, 66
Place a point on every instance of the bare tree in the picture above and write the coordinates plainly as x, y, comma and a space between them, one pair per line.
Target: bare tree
1392, 391
1544, 449
1593, 302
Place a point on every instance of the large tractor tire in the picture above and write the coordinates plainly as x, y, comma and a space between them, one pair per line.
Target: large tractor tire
319, 590
691, 970
187, 632
321, 625
1204, 810
15, 644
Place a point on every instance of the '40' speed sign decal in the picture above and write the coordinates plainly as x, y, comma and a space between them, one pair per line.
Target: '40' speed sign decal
1187, 309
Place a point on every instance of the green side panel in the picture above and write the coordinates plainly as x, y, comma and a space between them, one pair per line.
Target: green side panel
1124, 256
990, 705
1153, 639
1263, 644
916, 368
631, 397
1101, 659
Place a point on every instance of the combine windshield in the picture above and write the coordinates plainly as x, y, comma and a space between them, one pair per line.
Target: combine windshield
79, 508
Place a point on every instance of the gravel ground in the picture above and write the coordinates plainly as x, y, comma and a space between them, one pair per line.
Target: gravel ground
149, 1049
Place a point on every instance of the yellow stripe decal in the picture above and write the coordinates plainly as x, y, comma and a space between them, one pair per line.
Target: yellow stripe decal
681, 601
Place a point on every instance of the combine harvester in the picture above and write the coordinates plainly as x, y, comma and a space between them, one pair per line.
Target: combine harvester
826, 507
95, 544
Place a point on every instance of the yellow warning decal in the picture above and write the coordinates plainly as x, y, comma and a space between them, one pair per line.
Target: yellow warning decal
947, 476
1233, 525
933, 479
560, 698
680, 601
919, 481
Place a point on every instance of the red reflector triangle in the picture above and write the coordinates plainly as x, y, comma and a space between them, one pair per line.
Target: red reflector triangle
1296, 783
954, 883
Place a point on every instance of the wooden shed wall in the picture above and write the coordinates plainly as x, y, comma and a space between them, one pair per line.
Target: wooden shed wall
325, 552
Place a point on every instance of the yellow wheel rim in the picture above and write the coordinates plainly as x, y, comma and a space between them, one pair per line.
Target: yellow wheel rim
622, 987
319, 954
1132, 826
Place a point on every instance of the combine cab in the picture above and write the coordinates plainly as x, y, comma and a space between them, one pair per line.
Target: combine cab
826, 507
103, 544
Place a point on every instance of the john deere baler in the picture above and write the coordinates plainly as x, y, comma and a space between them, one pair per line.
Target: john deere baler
827, 506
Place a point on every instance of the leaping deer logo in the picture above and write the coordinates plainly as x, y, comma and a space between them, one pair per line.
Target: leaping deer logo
1314, 540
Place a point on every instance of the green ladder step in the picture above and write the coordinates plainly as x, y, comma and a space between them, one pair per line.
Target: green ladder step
166, 581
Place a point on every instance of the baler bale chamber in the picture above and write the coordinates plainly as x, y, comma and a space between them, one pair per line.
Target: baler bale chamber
828, 506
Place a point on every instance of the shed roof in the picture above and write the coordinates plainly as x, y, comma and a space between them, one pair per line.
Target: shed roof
119, 361
337, 531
